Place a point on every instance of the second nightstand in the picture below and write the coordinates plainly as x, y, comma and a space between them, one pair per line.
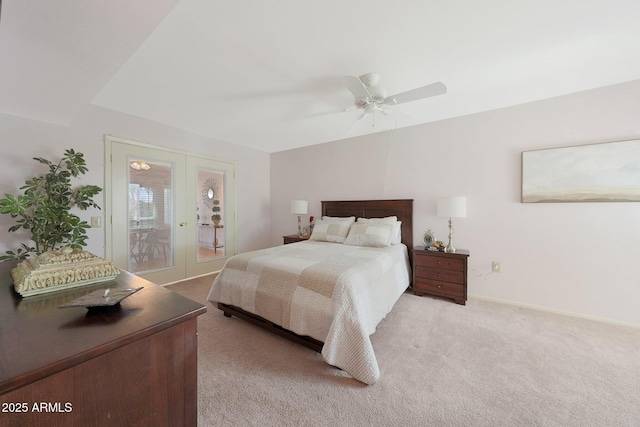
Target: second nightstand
294, 238
441, 273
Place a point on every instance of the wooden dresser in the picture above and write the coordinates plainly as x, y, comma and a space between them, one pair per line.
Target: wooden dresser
135, 364
442, 274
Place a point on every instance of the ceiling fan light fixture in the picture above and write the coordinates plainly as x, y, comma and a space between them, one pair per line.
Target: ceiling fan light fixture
369, 108
377, 93
361, 102
370, 79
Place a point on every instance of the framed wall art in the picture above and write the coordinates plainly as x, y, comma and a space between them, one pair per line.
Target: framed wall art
605, 172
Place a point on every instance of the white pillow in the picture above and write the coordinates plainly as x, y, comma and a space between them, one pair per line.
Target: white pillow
330, 229
376, 235
396, 233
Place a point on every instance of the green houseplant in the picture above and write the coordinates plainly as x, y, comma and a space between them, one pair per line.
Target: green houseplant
44, 208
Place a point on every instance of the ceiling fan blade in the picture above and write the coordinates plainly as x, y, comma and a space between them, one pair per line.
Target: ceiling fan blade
356, 87
330, 112
418, 93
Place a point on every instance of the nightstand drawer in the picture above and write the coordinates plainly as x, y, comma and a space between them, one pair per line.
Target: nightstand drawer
436, 287
439, 274
441, 262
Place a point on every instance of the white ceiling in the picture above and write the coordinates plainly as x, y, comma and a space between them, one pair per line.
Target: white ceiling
259, 73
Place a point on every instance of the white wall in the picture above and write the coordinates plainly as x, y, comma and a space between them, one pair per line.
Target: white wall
580, 258
26, 139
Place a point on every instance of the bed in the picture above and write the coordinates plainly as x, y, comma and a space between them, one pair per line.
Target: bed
328, 293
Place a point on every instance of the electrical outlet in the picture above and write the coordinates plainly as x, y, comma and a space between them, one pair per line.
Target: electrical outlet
95, 221
496, 267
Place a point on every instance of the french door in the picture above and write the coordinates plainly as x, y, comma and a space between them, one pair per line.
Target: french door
172, 214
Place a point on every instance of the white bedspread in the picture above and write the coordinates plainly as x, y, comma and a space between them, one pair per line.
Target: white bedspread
332, 292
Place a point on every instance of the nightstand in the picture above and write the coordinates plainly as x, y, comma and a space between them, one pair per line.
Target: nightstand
442, 274
293, 238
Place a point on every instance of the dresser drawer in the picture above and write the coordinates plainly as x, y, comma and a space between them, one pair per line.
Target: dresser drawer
439, 274
435, 287
440, 262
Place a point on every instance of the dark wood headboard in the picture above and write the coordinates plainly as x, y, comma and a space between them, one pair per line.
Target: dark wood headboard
402, 208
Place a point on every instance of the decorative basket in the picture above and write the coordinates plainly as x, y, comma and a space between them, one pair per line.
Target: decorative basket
57, 270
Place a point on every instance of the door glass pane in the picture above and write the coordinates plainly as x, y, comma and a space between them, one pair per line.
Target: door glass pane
210, 214
151, 215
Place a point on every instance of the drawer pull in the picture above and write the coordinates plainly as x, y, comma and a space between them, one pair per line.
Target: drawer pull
439, 262
438, 286
438, 274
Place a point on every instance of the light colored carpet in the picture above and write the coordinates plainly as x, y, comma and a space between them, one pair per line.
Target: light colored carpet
442, 364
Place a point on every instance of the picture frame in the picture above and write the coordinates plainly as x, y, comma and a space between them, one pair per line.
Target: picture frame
602, 172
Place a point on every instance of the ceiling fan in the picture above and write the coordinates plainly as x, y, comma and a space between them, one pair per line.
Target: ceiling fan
372, 98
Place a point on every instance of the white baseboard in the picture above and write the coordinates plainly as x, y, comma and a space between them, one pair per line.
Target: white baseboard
556, 311
189, 278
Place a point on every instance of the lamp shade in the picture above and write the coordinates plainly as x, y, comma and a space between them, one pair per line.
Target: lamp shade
455, 207
300, 207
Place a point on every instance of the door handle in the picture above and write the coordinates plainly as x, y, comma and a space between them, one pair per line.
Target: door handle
182, 224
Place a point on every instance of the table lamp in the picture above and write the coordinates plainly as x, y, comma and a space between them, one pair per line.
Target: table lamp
452, 207
299, 207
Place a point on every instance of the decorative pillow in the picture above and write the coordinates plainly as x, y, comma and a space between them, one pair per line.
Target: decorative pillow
330, 229
396, 233
376, 235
